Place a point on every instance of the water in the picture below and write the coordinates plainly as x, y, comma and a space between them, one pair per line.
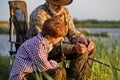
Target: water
5, 44
114, 32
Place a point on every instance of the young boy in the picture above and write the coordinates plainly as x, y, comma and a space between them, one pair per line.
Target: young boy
33, 53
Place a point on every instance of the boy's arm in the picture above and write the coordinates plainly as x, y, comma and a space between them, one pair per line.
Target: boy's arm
40, 59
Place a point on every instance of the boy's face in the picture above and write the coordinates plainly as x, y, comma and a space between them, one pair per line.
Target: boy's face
56, 40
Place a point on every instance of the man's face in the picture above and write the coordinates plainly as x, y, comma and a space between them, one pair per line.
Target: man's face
56, 9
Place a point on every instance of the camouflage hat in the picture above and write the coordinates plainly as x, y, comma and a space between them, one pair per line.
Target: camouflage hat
60, 2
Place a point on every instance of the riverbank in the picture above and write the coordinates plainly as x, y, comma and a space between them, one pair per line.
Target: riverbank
87, 32
96, 24
4, 25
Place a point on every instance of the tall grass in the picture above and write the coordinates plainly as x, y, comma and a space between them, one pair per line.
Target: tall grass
109, 53
106, 51
4, 67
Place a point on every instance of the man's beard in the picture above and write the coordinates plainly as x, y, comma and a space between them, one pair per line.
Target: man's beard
55, 12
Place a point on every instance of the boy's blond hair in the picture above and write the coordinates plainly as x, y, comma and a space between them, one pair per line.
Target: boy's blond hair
54, 27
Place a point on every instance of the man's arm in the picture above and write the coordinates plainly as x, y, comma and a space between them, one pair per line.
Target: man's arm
73, 34
75, 37
37, 19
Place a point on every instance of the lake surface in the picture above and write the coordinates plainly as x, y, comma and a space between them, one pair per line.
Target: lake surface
114, 32
5, 44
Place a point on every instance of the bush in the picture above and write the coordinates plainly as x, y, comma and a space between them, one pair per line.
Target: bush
4, 67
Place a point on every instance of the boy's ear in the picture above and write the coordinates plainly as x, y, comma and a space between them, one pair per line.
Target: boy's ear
48, 37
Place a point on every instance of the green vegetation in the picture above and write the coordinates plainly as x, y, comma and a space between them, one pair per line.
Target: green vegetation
4, 67
107, 52
4, 27
87, 32
96, 24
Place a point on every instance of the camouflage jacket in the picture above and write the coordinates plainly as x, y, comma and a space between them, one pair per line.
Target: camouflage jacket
42, 13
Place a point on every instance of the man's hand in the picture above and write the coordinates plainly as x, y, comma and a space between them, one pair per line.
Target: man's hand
83, 45
90, 45
79, 48
83, 41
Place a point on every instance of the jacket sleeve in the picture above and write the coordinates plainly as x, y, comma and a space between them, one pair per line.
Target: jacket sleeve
73, 34
37, 18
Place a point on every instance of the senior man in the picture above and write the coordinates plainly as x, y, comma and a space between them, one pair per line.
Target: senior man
79, 48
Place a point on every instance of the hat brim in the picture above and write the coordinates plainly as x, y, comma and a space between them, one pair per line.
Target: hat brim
57, 2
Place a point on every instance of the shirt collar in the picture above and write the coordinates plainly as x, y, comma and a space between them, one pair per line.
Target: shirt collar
45, 41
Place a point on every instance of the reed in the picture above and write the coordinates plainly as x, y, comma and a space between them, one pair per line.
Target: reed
107, 52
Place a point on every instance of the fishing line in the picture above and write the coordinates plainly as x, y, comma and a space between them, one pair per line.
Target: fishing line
104, 64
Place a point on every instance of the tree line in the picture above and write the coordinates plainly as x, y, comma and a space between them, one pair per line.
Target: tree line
96, 23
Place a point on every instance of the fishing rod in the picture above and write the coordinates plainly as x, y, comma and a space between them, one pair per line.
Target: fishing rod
103, 64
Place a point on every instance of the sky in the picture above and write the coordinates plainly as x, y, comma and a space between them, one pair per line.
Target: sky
79, 9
